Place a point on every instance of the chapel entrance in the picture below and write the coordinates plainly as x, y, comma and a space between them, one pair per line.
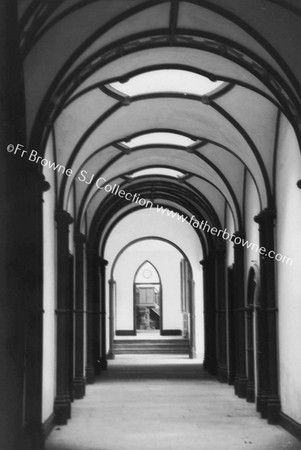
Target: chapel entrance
147, 299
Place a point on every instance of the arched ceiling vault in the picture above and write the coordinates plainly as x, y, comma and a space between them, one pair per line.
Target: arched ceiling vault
146, 238
80, 56
184, 201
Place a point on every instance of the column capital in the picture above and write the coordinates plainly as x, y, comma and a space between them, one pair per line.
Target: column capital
265, 214
102, 262
62, 217
207, 258
239, 234
40, 181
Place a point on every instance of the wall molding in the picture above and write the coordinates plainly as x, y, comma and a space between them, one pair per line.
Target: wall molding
171, 333
125, 333
48, 425
290, 425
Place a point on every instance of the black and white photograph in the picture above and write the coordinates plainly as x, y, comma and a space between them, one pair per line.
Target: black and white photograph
150, 224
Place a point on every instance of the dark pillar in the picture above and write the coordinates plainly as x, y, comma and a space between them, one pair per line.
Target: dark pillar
92, 268
62, 403
221, 318
112, 287
210, 363
103, 358
240, 381
96, 317
71, 326
268, 402
250, 353
192, 353
250, 335
20, 262
231, 326
79, 384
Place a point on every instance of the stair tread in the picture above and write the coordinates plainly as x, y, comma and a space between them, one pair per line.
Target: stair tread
151, 346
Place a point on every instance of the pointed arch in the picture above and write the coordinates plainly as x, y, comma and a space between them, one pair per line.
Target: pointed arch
145, 263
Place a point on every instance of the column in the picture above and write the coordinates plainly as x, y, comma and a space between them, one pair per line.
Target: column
96, 317
92, 268
250, 354
210, 362
192, 318
79, 378
21, 309
62, 403
231, 326
240, 380
112, 288
268, 402
221, 318
103, 358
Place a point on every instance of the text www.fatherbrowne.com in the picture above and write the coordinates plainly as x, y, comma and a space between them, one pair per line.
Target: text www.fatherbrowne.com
101, 183
204, 226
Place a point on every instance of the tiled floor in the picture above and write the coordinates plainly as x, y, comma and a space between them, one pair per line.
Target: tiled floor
150, 402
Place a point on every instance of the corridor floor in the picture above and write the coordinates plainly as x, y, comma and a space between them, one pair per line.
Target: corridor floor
159, 402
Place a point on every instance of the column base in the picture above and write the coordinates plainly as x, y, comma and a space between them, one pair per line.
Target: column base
250, 392
192, 353
90, 375
33, 437
262, 405
103, 363
273, 410
240, 387
110, 355
222, 373
79, 388
210, 365
62, 409
97, 367
230, 379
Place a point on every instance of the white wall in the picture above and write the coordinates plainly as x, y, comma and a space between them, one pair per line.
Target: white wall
288, 234
229, 245
147, 222
252, 208
251, 254
49, 297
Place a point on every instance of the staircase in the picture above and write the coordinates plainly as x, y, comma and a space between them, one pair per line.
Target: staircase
151, 346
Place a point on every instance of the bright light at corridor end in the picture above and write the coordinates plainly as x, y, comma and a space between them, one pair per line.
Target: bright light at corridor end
158, 138
157, 171
167, 80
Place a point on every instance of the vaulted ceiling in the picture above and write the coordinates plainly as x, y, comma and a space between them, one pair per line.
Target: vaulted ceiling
177, 101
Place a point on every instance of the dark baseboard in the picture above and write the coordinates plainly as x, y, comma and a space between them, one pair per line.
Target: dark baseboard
290, 425
125, 333
171, 333
48, 425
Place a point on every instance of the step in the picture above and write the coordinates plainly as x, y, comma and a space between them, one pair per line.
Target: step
151, 352
151, 346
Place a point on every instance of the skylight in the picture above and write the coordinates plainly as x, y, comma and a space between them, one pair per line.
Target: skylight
159, 138
167, 80
157, 171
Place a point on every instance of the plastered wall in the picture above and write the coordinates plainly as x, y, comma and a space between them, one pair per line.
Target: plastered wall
288, 238
49, 297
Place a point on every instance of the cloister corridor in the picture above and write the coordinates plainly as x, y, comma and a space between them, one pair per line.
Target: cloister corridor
162, 402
